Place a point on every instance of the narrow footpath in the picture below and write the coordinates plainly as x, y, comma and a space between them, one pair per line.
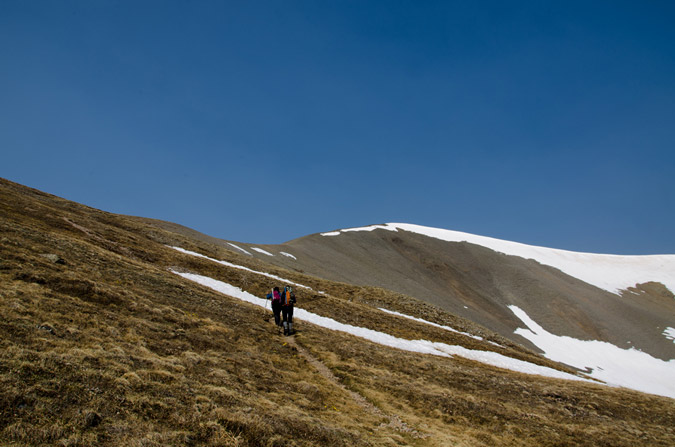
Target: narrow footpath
394, 423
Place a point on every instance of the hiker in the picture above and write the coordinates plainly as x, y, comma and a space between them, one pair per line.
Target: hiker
275, 296
287, 302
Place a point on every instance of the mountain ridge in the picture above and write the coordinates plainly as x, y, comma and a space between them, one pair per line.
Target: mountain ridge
353, 265
623, 270
479, 283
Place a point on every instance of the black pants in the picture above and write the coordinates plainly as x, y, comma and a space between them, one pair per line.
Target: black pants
276, 308
287, 312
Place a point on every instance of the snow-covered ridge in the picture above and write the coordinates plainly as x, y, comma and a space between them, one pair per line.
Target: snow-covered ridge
609, 272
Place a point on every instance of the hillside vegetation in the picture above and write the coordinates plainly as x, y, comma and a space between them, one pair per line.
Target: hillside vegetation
101, 344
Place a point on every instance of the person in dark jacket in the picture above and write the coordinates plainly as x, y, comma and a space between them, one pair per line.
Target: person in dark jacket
287, 302
275, 296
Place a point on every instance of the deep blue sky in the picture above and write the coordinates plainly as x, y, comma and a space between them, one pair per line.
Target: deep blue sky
263, 121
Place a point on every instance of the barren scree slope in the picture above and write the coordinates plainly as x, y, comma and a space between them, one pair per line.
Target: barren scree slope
623, 300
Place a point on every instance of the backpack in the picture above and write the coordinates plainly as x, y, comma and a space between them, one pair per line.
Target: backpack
288, 297
276, 297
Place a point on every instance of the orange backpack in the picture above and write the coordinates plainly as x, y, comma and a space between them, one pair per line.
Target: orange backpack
288, 297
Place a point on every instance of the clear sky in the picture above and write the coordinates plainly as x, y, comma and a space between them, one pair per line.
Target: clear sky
548, 123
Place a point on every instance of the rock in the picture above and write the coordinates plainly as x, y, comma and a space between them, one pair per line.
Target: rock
47, 327
56, 259
92, 419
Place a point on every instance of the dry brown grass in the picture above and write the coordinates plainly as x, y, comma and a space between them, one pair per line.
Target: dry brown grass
101, 345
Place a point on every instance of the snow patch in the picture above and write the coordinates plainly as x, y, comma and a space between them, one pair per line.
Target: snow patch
240, 267
288, 255
430, 323
347, 230
629, 368
332, 233
669, 333
240, 249
260, 250
420, 346
613, 273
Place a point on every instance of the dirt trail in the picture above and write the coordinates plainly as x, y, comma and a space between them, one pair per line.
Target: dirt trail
394, 423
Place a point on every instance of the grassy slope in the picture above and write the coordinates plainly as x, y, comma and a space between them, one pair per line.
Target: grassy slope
107, 347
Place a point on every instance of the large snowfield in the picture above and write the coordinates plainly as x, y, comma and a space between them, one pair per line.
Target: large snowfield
602, 361
609, 272
629, 368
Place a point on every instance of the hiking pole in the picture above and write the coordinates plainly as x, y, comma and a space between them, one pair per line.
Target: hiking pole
266, 317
